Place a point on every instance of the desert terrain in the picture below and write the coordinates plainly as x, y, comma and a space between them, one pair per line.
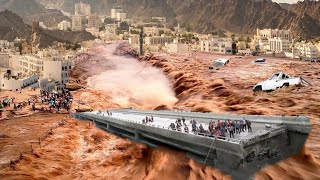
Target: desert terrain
55, 146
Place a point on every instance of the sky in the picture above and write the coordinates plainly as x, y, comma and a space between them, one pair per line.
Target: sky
286, 1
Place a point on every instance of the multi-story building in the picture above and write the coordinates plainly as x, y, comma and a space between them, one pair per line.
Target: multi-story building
4, 60
93, 21
111, 29
279, 45
77, 24
217, 45
115, 11
57, 69
153, 31
82, 9
6, 46
306, 51
120, 16
158, 40
176, 46
273, 33
15, 81
160, 19
31, 64
64, 25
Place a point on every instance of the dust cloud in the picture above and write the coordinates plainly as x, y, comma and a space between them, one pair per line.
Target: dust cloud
131, 81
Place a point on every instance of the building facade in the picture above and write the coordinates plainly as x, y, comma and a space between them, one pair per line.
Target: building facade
4, 60
115, 11
158, 40
217, 45
64, 25
77, 24
306, 51
82, 9
279, 45
94, 21
273, 33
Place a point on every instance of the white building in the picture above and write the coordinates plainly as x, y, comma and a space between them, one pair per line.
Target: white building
111, 29
153, 31
57, 69
77, 24
160, 19
177, 47
4, 60
41, 24
279, 45
120, 16
64, 25
82, 9
31, 64
15, 82
157, 40
134, 40
306, 51
115, 11
6, 46
273, 33
217, 45
94, 21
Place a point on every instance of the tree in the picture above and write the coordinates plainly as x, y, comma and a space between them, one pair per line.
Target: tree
108, 21
124, 26
134, 32
240, 38
161, 32
214, 33
102, 28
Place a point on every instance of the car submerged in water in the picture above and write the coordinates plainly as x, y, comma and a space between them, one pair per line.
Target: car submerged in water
278, 80
259, 61
219, 62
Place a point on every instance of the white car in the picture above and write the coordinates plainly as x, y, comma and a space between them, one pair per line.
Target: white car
220, 62
278, 80
259, 61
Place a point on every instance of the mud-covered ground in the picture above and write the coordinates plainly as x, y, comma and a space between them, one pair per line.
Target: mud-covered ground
77, 150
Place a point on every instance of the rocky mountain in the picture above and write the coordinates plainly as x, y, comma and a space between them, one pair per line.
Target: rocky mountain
312, 8
31, 10
12, 26
239, 16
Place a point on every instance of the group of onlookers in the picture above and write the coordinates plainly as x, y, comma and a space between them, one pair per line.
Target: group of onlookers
218, 129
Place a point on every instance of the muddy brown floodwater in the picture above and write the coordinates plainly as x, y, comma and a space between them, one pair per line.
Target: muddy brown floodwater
77, 150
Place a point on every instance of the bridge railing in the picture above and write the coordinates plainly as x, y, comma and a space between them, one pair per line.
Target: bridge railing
221, 138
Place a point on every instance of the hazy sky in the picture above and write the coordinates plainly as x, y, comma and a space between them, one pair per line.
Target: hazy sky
286, 1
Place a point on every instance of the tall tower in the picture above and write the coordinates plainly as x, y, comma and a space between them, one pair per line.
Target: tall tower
141, 42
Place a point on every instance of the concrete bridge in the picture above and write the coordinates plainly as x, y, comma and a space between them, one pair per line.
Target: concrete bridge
241, 157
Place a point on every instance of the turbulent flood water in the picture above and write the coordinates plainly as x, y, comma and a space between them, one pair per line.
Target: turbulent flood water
131, 81
78, 150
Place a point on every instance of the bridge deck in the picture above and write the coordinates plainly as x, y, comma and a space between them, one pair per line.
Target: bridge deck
164, 122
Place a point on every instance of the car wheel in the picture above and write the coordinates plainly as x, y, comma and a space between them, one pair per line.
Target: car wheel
257, 89
285, 85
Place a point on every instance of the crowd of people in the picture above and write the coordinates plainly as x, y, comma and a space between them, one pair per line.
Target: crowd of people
57, 100
147, 120
215, 129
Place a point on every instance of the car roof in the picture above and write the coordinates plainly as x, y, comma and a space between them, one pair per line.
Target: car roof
222, 60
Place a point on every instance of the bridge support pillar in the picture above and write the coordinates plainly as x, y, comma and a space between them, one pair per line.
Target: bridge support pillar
136, 135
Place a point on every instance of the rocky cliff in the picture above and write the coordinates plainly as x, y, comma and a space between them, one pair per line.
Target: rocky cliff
12, 26
238, 16
31, 10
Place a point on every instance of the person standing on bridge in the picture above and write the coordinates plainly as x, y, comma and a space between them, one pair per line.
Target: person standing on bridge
231, 131
249, 125
237, 126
